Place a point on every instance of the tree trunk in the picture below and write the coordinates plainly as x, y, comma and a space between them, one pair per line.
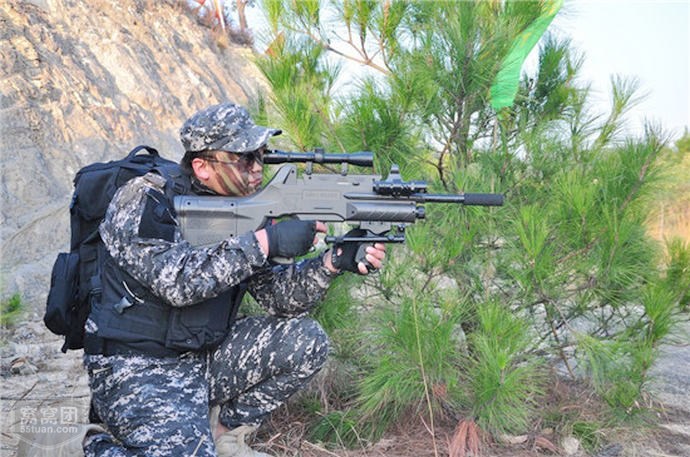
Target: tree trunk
241, 17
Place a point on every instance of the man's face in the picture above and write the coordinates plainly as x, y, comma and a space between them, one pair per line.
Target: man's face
235, 175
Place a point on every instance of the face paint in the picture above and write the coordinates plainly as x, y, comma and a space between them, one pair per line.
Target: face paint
240, 176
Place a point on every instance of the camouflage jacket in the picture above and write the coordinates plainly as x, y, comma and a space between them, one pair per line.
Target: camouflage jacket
182, 275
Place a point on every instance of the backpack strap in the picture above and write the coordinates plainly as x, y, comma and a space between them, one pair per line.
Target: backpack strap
149, 149
176, 182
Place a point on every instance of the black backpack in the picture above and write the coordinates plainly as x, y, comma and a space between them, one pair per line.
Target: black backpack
75, 279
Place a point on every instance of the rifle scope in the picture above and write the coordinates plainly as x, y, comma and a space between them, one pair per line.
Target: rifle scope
362, 159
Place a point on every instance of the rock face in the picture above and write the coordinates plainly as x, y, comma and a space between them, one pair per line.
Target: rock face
87, 81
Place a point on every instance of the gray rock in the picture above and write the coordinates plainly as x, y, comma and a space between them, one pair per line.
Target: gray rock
570, 445
86, 81
612, 450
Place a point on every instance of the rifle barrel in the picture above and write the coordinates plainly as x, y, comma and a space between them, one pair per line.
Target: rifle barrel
483, 199
463, 199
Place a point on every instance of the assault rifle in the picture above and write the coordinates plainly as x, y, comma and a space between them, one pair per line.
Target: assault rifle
381, 207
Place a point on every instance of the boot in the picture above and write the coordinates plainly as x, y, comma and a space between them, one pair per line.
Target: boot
232, 444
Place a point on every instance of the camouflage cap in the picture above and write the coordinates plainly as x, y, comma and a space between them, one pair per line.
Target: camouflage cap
225, 127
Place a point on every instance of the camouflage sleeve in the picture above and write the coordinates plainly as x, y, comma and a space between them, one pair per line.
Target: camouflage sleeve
143, 237
290, 290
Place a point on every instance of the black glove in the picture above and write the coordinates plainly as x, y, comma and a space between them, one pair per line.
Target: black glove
350, 253
291, 238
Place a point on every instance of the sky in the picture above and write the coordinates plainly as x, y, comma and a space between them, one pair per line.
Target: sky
647, 40
644, 39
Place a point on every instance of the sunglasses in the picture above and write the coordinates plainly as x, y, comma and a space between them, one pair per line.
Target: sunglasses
245, 160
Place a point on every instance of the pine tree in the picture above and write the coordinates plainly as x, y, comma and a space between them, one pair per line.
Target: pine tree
466, 320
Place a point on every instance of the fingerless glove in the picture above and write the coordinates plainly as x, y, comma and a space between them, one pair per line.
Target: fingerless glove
350, 253
291, 238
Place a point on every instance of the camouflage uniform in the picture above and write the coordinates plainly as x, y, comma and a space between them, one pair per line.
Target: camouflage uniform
159, 406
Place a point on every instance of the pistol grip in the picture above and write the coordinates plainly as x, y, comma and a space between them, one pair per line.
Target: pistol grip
361, 254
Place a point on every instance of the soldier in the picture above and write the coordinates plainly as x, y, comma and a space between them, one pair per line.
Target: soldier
163, 345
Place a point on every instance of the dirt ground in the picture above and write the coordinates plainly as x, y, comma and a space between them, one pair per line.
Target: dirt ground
667, 436
38, 383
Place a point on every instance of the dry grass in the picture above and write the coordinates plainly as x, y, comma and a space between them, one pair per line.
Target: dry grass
671, 220
671, 211
287, 432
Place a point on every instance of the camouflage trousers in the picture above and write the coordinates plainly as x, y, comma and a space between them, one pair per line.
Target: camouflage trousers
160, 406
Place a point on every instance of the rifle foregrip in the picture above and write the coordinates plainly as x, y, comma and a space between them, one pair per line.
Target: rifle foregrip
484, 199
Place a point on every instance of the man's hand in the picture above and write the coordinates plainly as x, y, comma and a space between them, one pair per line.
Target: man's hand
291, 238
359, 258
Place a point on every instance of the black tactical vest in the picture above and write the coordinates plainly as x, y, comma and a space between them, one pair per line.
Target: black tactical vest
130, 319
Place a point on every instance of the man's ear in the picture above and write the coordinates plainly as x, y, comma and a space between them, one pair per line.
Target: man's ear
201, 169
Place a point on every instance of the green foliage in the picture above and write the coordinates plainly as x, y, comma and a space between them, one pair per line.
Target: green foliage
466, 317
339, 313
678, 271
302, 83
375, 122
683, 143
10, 310
339, 428
535, 245
614, 370
339, 318
619, 365
504, 381
414, 359
589, 434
